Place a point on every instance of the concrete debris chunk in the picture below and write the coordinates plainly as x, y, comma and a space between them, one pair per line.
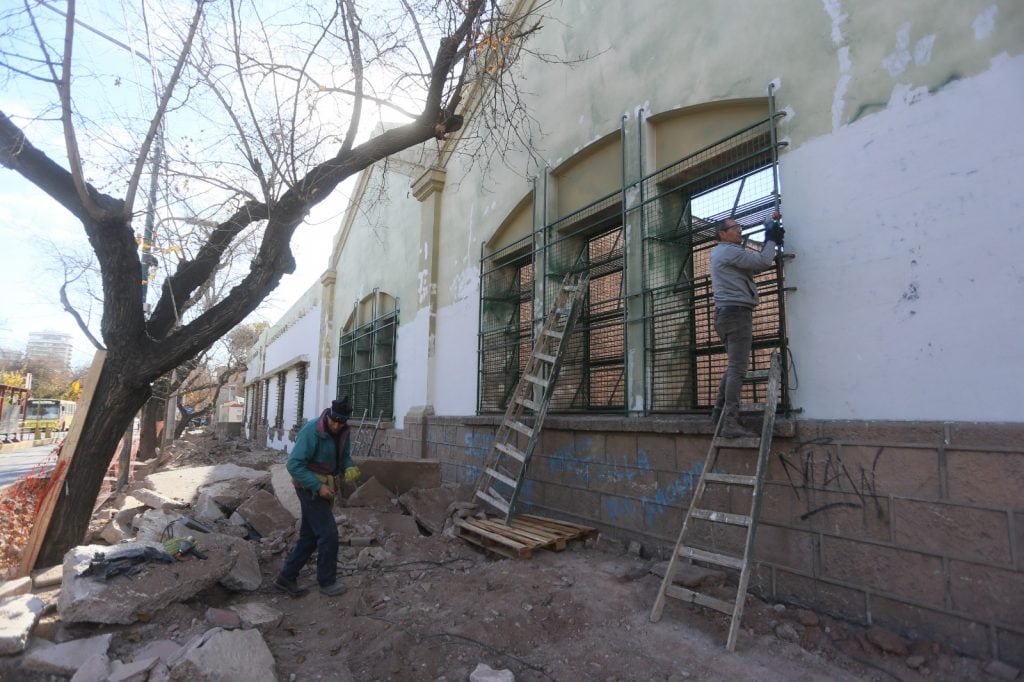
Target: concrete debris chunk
431, 507
162, 649
155, 500
182, 485
265, 513
220, 655
95, 669
887, 641
1003, 671
66, 658
136, 671
485, 673
281, 484
258, 615
372, 494
15, 587
47, 577
223, 618
691, 575
18, 615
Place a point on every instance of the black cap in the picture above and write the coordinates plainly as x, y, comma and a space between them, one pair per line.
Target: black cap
340, 409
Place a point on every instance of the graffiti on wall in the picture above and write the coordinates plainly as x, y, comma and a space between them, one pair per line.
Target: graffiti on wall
817, 466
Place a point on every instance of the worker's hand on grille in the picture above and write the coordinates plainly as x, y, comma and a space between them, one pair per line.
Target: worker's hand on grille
775, 233
352, 475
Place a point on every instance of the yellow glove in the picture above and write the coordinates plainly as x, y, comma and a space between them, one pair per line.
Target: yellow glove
352, 475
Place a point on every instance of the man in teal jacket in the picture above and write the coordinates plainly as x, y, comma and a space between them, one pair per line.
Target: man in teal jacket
322, 450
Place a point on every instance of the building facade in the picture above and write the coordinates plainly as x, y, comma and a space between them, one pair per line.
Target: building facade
49, 348
887, 133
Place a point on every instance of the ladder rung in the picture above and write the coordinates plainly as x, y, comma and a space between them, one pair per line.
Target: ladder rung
545, 357
738, 443
536, 380
710, 557
510, 482
569, 287
510, 451
520, 427
563, 311
692, 597
552, 332
494, 502
721, 517
731, 479
756, 375
526, 402
751, 408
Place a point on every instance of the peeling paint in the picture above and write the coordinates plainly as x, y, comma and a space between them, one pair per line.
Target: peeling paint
923, 50
897, 62
832, 7
985, 23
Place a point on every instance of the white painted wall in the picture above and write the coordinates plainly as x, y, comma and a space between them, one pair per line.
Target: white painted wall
908, 233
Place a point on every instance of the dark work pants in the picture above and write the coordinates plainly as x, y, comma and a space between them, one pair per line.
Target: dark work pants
735, 327
318, 532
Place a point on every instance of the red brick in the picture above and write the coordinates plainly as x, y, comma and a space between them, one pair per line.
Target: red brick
580, 503
1011, 647
785, 547
845, 514
913, 472
911, 575
988, 593
952, 530
973, 435
622, 512
620, 447
819, 595
965, 635
590, 447
657, 452
993, 479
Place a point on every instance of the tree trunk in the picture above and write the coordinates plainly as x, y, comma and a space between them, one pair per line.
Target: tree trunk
111, 411
149, 437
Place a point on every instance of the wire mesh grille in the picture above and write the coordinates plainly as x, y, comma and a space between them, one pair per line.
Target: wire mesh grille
681, 205
366, 366
506, 323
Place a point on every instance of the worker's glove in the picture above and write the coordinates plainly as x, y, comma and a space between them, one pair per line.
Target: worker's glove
774, 232
352, 475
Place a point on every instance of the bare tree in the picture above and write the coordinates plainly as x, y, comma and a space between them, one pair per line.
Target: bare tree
259, 115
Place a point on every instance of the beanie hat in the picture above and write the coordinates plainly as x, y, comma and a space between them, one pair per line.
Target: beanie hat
340, 409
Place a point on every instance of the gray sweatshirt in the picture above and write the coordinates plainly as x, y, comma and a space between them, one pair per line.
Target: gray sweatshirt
733, 267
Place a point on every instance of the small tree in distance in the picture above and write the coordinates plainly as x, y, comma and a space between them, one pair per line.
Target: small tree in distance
254, 115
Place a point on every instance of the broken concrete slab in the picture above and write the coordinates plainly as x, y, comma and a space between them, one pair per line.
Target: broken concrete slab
281, 484
244, 574
429, 506
265, 513
222, 498
135, 671
207, 509
15, 587
155, 500
372, 494
162, 649
485, 673
223, 618
95, 669
182, 485
124, 598
402, 475
220, 655
258, 615
155, 525
47, 577
66, 658
18, 615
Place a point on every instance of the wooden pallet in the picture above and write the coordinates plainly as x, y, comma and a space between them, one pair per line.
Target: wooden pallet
524, 534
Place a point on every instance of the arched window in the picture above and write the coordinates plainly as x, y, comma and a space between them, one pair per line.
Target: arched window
366, 356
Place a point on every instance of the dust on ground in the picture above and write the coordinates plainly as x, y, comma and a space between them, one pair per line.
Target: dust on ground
433, 607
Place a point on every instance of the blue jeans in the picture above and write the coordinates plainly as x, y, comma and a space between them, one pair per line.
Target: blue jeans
735, 327
318, 532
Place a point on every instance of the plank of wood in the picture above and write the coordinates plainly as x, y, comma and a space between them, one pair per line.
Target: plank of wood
495, 537
60, 471
520, 534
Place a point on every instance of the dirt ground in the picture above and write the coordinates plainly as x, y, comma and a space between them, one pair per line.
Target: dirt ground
433, 607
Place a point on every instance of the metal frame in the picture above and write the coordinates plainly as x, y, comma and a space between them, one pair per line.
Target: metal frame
367, 364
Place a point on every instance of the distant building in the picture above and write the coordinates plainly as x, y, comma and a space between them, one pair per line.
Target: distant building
49, 347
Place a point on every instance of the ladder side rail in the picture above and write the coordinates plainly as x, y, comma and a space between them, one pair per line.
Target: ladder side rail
575, 305
767, 427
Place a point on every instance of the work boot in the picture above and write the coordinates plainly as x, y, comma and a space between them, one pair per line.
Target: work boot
731, 427
333, 590
289, 586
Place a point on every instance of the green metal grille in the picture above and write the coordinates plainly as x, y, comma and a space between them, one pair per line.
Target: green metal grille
680, 206
366, 366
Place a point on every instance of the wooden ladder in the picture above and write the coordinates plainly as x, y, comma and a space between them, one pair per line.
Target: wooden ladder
719, 481
505, 466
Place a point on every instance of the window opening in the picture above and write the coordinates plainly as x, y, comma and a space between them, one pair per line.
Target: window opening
279, 414
366, 358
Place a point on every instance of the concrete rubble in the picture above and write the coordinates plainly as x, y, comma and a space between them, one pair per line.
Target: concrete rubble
18, 615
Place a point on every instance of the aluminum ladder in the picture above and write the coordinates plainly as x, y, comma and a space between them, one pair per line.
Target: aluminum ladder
505, 465
720, 482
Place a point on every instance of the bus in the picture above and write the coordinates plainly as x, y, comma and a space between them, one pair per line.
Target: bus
49, 413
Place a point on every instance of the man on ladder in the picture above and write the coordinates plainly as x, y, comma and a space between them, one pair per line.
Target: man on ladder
733, 267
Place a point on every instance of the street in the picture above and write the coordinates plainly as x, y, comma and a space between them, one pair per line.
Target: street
15, 465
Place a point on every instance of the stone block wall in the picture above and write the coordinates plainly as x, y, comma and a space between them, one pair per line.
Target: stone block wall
915, 526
